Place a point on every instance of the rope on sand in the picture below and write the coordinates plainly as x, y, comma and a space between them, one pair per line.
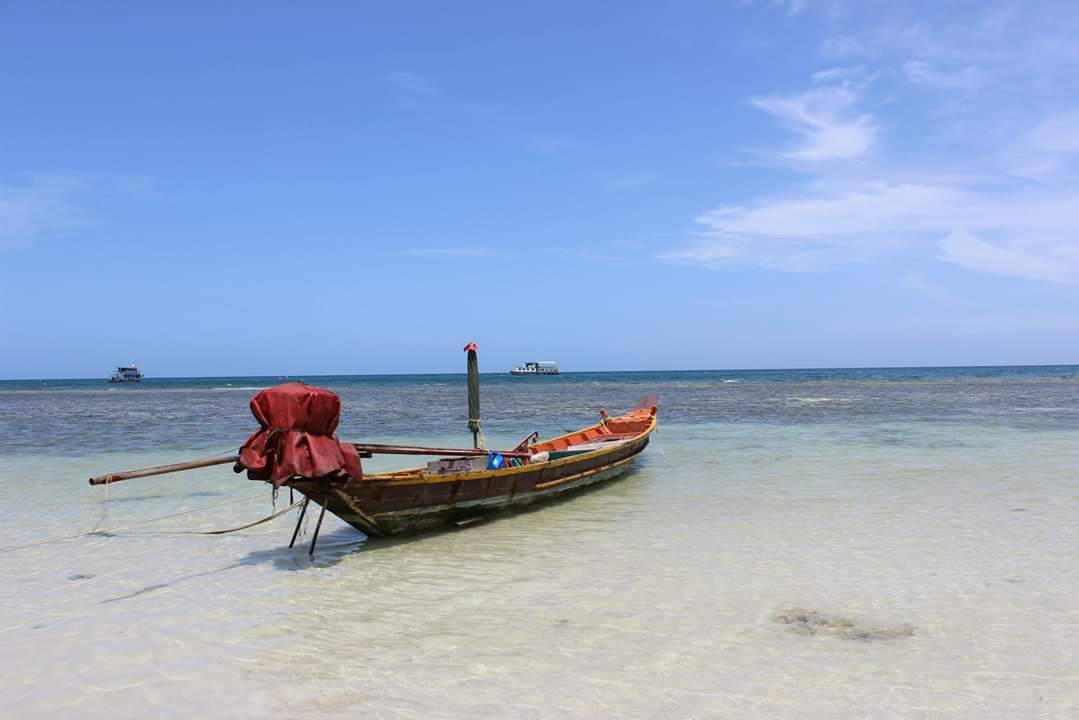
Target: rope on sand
111, 531
266, 519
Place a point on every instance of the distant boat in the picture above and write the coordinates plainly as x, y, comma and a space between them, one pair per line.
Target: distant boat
547, 367
126, 374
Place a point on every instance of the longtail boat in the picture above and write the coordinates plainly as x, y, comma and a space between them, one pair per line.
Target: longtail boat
296, 447
428, 497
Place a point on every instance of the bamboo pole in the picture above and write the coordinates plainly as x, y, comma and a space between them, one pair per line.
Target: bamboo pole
365, 450
163, 469
303, 511
318, 525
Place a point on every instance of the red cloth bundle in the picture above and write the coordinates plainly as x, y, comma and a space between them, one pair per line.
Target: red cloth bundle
297, 436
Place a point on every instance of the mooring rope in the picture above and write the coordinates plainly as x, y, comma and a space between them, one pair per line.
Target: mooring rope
111, 531
266, 519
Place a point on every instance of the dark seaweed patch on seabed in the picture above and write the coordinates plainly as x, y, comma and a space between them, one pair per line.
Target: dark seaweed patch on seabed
811, 622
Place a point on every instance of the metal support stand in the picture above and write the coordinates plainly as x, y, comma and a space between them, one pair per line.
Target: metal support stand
303, 511
314, 538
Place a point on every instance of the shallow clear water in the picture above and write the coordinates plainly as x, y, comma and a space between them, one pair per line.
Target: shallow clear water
934, 511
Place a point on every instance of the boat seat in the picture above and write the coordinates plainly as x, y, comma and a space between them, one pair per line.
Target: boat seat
580, 448
607, 437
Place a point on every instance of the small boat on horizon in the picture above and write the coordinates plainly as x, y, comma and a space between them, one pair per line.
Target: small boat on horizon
544, 367
126, 374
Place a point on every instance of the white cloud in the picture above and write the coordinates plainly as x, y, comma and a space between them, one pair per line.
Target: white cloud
135, 184
845, 46
825, 118
794, 7
632, 181
928, 75
1047, 153
45, 205
791, 7
834, 212
1037, 236
1045, 259
824, 227
412, 84
1058, 133
551, 144
1032, 44
855, 74
448, 252
918, 283
989, 184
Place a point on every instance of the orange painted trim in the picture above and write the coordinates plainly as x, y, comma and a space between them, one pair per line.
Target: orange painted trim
419, 476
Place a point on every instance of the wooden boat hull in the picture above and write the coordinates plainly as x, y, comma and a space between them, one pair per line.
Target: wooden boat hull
414, 500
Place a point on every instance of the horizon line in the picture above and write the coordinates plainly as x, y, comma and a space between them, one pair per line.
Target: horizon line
301, 376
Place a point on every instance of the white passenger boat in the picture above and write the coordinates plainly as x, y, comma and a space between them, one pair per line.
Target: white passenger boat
546, 367
126, 374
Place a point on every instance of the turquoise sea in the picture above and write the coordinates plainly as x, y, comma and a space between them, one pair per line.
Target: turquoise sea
870, 543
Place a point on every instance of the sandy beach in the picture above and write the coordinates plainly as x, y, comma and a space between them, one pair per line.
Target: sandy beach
794, 564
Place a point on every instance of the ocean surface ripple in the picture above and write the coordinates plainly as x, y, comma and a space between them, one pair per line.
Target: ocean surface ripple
801, 544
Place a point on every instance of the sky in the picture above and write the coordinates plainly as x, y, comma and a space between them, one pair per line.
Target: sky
282, 188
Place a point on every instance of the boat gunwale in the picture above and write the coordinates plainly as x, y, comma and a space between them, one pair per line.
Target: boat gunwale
499, 501
419, 476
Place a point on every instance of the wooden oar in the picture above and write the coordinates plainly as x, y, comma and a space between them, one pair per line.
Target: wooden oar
163, 469
364, 449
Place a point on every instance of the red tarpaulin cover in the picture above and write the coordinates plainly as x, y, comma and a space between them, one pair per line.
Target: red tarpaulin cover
297, 436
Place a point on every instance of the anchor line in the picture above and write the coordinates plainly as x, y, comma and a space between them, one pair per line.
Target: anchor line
266, 519
109, 531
